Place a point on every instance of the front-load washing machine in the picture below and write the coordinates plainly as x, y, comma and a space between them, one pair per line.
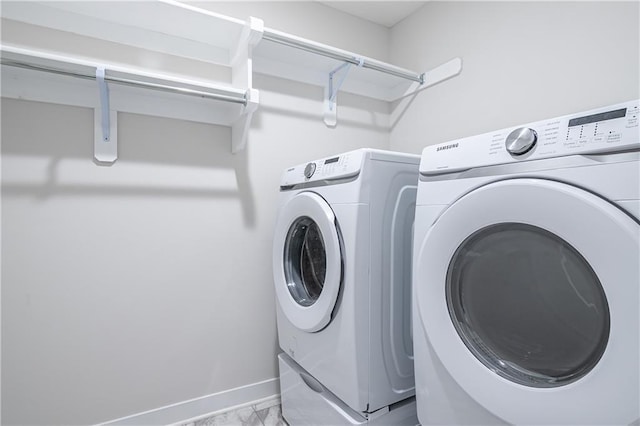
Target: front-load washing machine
526, 274
342, 275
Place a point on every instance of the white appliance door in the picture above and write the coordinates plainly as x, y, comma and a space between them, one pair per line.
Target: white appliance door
307, 261
397, 334
528, 292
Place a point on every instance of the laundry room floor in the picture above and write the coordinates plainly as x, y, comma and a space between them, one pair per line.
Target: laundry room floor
264, 413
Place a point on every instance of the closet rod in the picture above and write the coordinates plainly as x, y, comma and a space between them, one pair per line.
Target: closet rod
298, 43
128, 82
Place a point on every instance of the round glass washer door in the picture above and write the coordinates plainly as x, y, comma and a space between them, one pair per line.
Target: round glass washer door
527, 291
307, 261
527, 305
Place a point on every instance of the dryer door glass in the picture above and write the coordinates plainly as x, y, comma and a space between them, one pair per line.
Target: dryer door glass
305, 261
527, 305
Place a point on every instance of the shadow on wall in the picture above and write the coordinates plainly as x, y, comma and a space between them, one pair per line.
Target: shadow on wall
47, 151
305, 102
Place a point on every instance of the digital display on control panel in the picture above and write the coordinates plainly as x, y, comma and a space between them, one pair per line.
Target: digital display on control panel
331, 160
609, 115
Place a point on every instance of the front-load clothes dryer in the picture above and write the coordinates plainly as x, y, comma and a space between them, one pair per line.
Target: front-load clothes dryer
342, 275
526, 279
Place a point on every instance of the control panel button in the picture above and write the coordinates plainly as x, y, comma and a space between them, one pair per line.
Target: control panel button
521, 141
309, 170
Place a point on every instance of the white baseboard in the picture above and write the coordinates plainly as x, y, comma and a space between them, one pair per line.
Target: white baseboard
202, 406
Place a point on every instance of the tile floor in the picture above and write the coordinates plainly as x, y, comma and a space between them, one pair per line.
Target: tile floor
264, 413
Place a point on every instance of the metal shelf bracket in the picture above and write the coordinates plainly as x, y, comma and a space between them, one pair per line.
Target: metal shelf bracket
105, 143
242, 76
331, 91
435, 76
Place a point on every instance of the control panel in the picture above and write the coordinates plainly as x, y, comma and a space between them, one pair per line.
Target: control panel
326, 169
604, 130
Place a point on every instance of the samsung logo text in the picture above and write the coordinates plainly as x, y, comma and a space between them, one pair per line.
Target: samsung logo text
450, 146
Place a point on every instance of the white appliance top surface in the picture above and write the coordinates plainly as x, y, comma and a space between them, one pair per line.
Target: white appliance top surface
603, 130
342, 166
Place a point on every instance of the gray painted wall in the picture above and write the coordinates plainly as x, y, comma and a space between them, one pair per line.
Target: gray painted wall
522, 62
148, 283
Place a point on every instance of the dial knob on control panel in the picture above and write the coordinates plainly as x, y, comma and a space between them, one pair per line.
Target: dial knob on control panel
309, 170
521, 141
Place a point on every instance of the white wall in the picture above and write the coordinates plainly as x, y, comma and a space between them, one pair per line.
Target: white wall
312, 20
131, 287
522, 62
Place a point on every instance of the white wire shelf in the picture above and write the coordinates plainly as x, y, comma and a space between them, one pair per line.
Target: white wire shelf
164, 26
181, 30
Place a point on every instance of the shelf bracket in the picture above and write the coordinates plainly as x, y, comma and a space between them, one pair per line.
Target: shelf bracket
242, 76
437, 75
105, 143
331, 91
240, 128
430, 78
